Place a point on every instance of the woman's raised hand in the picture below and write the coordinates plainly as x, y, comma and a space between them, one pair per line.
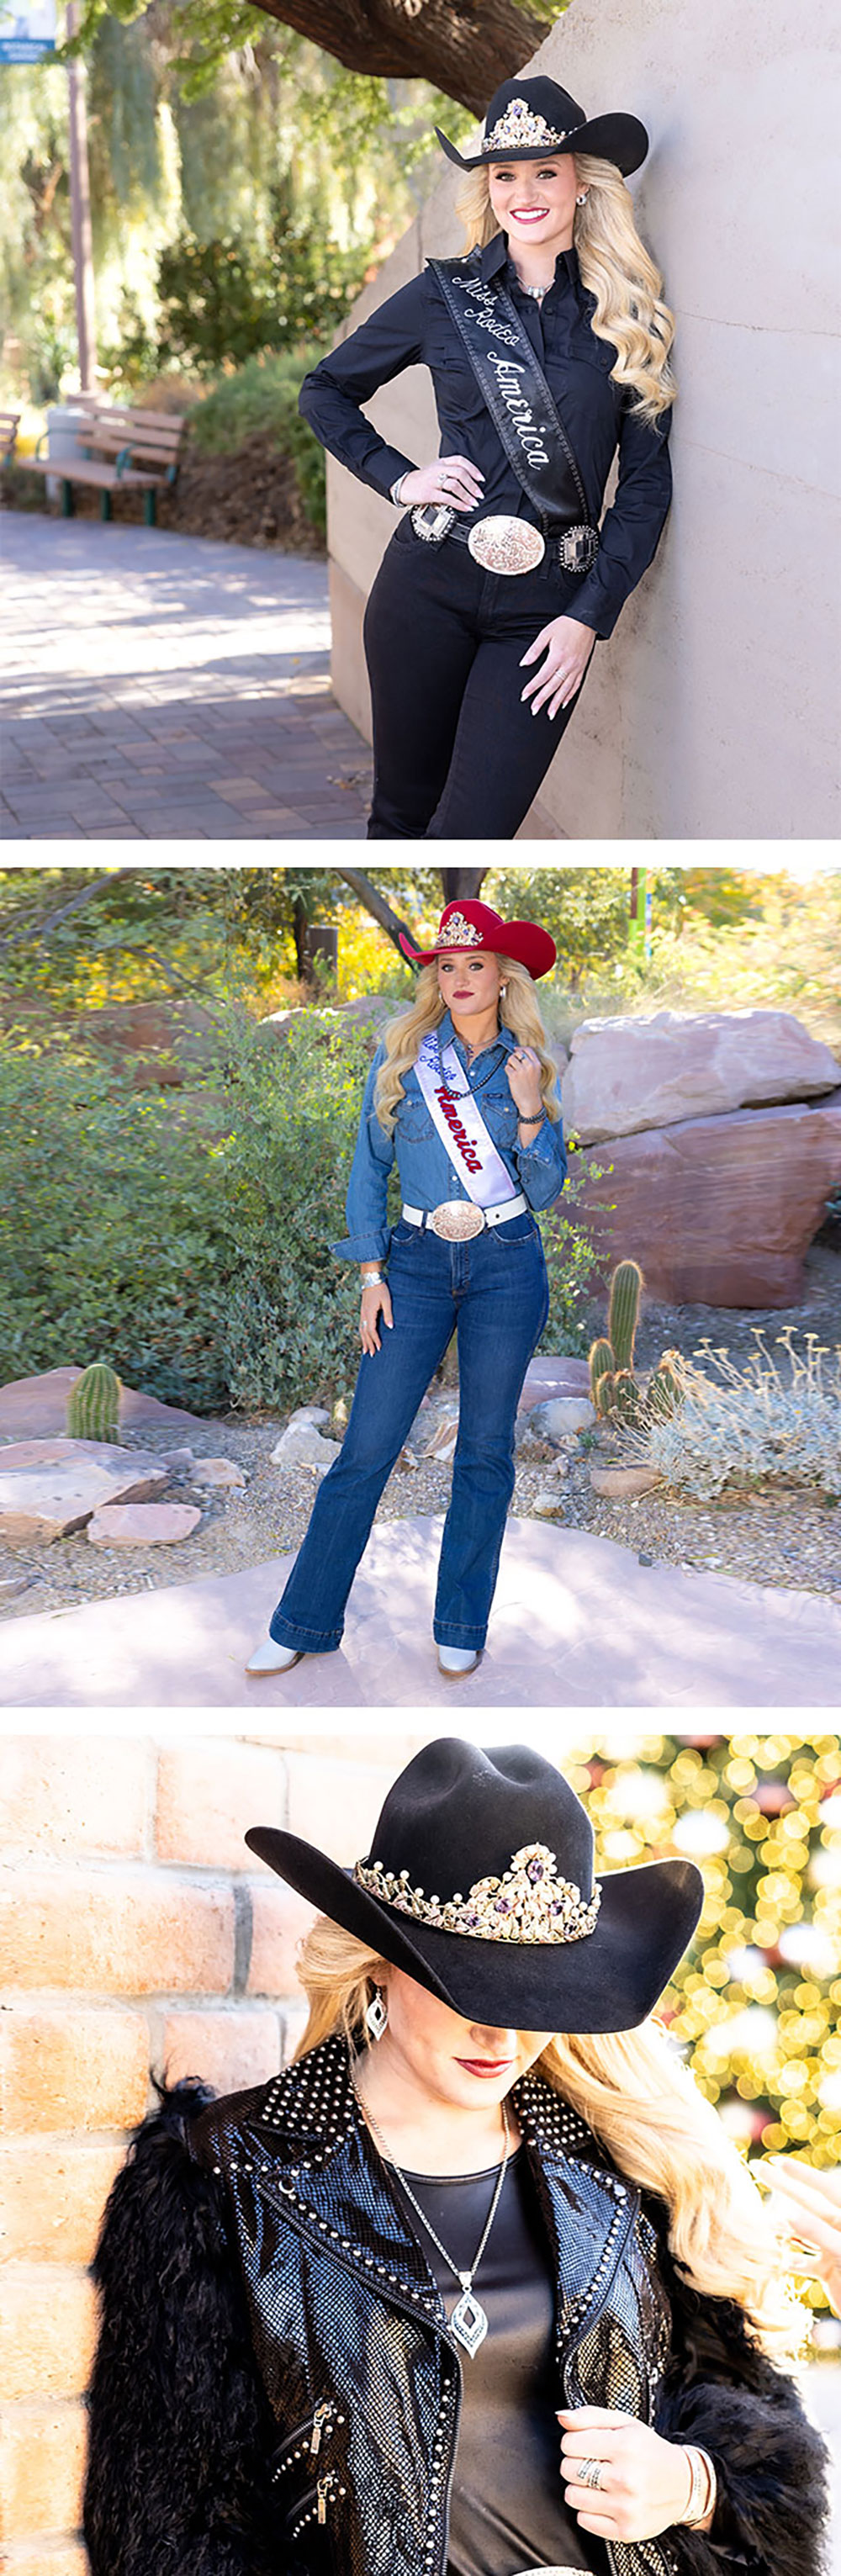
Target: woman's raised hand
522, 1067
567, 646
810, 2200
451, 479
376, 1302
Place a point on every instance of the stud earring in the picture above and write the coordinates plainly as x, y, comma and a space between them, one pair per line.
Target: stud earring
376, 2016
581, 201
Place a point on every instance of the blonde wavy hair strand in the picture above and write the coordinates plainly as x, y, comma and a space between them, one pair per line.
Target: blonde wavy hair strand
615, 267
518, 1011
644, 2106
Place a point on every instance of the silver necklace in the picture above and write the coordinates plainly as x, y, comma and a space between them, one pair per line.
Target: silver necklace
469, 2321
472, 1053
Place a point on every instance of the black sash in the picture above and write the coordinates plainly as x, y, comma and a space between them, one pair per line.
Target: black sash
514, 388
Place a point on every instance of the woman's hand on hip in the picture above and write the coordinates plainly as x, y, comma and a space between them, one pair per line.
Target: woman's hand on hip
451, 479
810, 2200
567, 646
644, 2482
376, 1302
522, 1067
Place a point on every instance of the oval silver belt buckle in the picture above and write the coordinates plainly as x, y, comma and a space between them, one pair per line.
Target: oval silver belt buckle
457, 1220
506, 545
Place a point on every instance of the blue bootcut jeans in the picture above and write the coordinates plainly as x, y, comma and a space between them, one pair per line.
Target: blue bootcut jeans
494, 1290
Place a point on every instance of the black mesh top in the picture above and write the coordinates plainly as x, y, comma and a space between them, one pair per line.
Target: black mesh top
507, 2510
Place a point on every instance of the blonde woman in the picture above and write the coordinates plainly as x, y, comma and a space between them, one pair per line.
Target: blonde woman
548, 344
463, 1093
454, 2296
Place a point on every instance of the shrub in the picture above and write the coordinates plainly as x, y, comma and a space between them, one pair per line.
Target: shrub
263, 395
110, 1232
750, 1425
291, 1327
570, 1261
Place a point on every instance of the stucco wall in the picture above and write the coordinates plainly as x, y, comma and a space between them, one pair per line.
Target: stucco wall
712, 712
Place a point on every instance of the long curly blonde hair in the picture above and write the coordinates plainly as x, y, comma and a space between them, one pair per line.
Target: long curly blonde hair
644, 2107
615, 267
518, 1011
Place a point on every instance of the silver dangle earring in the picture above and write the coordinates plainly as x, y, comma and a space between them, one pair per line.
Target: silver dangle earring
376, 2016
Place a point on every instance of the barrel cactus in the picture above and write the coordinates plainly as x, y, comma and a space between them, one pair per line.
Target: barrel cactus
626, 1288
93, 1406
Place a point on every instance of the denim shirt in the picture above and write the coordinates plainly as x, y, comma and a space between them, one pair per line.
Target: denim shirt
426, 1173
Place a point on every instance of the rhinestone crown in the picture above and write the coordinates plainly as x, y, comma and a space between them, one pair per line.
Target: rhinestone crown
519, 124
458, 933
529, 1904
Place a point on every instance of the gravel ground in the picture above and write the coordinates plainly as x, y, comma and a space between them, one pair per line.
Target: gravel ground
783, 1536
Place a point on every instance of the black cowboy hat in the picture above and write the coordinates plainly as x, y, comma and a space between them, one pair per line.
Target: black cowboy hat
528, 118
480, 1885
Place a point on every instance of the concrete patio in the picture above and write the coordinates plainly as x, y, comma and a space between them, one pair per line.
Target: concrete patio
164, 686
577, 1623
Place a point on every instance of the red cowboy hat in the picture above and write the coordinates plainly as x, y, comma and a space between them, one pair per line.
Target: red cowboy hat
476, 927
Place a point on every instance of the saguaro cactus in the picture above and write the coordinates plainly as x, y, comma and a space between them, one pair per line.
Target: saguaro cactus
93, 1406
626, 1288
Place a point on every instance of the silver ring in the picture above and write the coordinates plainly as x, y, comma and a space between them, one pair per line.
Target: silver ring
589, 2474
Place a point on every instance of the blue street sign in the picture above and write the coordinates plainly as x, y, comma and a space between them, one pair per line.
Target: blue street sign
27, 30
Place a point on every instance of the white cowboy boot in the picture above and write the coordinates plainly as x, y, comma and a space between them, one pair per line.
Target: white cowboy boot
269, 1658
457, 1660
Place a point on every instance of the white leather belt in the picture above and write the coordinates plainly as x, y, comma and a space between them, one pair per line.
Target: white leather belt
456, 1220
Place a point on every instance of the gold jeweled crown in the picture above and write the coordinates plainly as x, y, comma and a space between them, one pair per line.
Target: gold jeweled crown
530, 1903
519, 124
458, 933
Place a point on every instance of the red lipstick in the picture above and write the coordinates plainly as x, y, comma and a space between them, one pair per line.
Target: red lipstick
485, 2065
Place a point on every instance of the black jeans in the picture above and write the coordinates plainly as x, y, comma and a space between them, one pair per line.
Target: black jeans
457, 754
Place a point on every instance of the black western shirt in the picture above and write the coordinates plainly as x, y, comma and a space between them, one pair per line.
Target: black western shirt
414, 328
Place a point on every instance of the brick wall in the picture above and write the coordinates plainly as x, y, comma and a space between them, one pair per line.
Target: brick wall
135, 1931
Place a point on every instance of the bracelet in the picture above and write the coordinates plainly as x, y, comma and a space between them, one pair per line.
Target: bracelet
396, 487
702, 2492
536, 1121
374, 1279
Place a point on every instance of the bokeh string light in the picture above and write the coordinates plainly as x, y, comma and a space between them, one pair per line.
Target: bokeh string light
754, 2005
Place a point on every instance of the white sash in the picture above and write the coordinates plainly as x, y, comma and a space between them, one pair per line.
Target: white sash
461, 1127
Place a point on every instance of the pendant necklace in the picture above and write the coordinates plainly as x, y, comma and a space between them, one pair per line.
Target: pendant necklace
469, 2321
447, 1086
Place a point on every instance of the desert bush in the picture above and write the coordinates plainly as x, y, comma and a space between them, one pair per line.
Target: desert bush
570, 1261
752, 1425
110, 1233
290, 1326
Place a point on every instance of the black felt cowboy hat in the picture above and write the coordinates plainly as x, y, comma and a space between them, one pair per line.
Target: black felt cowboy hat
476, 927
480, 1884
528, 118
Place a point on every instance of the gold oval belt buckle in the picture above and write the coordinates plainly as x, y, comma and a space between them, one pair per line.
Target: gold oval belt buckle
456, 1220
506, 545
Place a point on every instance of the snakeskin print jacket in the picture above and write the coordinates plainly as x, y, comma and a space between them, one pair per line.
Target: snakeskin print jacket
276, 2392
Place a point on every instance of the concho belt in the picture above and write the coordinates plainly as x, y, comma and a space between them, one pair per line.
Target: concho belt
456, 1220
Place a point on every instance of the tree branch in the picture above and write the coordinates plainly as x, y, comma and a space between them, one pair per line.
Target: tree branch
41, 929
375, 903
464, 47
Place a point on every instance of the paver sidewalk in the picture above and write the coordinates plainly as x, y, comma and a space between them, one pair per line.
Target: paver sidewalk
577, 1623
159, 685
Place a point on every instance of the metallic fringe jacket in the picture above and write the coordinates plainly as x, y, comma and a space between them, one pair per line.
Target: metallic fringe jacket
276, 2392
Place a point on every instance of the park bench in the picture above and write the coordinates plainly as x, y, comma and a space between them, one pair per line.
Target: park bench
122, 451
9, 426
